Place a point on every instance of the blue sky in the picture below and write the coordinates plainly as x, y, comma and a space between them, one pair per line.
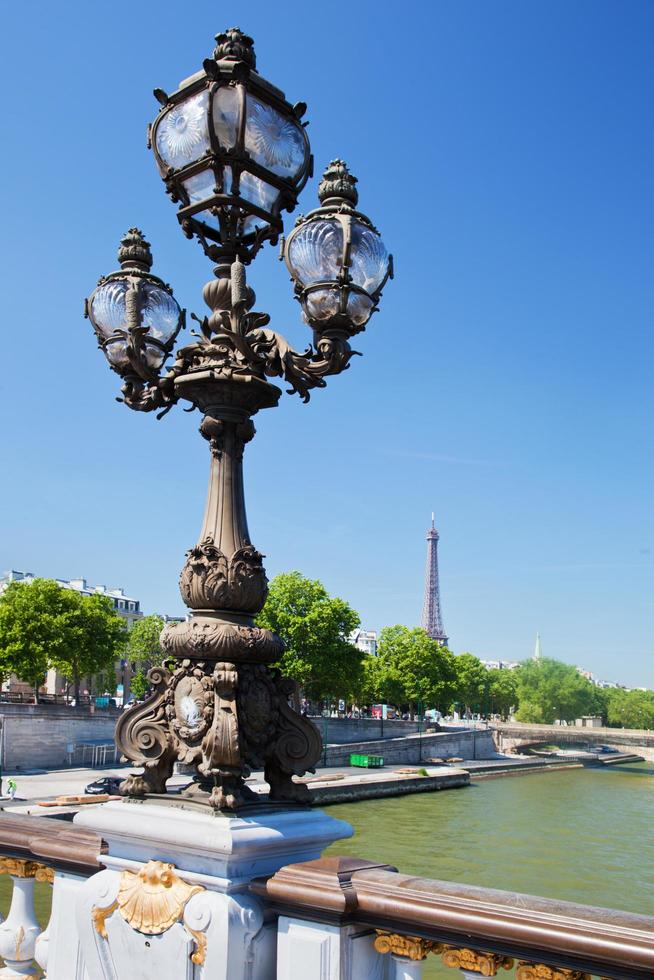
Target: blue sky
505, 150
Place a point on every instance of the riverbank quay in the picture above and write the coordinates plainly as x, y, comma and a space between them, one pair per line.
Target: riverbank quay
344, 784
416, 748
331, 784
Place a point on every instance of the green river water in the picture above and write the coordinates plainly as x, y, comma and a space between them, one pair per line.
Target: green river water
584, 835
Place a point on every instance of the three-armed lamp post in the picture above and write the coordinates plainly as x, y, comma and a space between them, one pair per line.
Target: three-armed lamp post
233, 154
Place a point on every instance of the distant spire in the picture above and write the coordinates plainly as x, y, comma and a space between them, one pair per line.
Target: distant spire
432, 620
537, 650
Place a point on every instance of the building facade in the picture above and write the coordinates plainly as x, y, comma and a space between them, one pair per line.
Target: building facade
126, 606
365, 640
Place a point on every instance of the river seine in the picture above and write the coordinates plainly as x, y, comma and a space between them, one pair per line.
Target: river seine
584, 835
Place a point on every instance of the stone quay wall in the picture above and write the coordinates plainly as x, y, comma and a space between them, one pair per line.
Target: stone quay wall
341, 730
37, 736
411, 749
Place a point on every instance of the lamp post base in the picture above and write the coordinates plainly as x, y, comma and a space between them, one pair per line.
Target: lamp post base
223, 719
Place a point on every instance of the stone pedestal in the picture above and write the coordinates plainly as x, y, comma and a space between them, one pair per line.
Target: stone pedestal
173, 902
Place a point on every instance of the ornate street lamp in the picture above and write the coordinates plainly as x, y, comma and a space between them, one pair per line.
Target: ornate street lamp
233, 154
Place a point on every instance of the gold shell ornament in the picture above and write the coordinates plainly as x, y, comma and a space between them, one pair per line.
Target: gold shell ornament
153, 899
150, 900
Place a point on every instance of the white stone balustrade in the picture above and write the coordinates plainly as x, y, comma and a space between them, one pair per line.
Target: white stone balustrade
186, 893
20, 930
403, 969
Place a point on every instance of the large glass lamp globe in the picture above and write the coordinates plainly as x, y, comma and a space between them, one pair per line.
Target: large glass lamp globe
134, 314
231, 149
336, 257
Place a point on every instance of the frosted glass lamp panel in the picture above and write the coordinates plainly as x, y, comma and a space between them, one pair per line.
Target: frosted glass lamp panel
154, 357
159, 312
208, 218
108, 307
322, 304
201, 186
227, 180
368, 258
251, 223
116, 354
277, 143
315, 252
257, 191
225, 116
183, 133
358, 308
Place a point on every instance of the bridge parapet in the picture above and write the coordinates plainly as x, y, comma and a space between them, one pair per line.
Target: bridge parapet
331, 918
513, 735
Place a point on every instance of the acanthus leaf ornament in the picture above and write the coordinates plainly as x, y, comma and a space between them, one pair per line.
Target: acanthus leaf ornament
211, 580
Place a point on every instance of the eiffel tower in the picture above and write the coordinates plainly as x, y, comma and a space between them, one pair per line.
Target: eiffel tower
432, 620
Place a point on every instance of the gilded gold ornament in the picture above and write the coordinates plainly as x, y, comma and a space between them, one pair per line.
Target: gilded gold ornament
20, 868
151, 901
539, 971
200, 954
486, 964
413, 947
100, 916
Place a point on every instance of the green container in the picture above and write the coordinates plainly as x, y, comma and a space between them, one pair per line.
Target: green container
366, 761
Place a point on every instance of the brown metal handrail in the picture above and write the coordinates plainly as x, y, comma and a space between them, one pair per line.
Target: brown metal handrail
611, 944
52, 842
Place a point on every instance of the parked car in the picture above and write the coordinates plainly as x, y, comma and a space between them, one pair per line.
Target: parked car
105, 784
605, 748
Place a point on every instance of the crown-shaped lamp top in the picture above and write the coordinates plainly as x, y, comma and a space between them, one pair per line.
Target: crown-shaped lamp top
338, 183
234, 45
134, 251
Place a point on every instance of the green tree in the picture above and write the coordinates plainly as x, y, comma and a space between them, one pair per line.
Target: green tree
471, 680
412, 667
44, 625
549, 689
105, 682
143, 650
28, 627
138, 684
143, 645
630, 709
315, 628
501, 690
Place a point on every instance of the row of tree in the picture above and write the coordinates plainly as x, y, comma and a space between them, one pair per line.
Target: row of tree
44, 626
412, 670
